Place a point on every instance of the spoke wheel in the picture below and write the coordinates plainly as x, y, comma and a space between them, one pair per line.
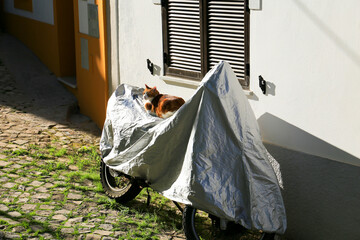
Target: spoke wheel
199, 225
118, 186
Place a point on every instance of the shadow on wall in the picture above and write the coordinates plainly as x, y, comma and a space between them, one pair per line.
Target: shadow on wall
321, 196
279, 132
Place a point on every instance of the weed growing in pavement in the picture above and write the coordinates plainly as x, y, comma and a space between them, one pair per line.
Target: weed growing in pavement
18, 152
77, 169
60, 152
3, 222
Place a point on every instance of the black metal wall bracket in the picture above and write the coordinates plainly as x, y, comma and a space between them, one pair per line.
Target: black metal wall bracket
262, 84
150, 66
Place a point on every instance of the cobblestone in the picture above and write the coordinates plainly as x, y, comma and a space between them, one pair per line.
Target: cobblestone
30, 197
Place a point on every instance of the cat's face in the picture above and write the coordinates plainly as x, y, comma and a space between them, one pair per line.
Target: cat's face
149, 93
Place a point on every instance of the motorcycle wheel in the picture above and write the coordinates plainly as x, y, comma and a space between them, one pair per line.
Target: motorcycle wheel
198, 225
118, 186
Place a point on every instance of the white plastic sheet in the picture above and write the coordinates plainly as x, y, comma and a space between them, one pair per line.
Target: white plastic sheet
209, 154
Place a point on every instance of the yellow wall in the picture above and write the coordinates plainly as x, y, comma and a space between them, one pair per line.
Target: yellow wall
92, 84
58, 47
53, 44
40, 37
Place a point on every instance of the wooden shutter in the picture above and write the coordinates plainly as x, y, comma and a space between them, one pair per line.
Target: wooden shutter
200, 33
227, 36
182, 42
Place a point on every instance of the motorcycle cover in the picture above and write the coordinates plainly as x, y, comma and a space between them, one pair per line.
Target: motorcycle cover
209, 154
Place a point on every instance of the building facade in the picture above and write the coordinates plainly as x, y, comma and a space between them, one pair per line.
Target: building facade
307, 52
69, 38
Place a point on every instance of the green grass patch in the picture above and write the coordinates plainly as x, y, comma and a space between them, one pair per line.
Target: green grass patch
80, 176
136, 219
3, 222
60, 153
18, 152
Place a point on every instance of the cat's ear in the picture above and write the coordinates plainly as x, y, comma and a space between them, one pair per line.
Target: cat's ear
147, 87
154, 88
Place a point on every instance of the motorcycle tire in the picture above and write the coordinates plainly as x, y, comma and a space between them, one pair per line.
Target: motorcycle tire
196, 228
118, 186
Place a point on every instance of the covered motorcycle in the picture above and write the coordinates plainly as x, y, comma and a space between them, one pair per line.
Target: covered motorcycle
209, 154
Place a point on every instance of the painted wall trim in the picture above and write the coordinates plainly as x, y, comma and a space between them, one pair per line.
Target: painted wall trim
112, 14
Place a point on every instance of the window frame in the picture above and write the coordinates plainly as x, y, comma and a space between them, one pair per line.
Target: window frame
204, 46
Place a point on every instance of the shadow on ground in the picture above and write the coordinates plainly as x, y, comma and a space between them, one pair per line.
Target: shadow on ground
27, 85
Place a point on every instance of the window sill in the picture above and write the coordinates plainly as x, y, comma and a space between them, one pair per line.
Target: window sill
183, 82
248, 93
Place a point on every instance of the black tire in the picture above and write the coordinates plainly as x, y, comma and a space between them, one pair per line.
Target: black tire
191, 221
188, 223
118, 186
198, 225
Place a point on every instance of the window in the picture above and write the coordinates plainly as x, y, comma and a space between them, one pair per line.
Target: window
197, 34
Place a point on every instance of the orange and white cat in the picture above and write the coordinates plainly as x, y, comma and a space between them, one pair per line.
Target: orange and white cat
161, 105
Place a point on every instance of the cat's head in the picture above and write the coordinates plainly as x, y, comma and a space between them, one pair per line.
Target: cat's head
149, 93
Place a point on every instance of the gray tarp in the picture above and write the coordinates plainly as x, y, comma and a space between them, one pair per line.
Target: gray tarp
208, 154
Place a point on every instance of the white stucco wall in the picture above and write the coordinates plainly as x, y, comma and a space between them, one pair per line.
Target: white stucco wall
43, 10
308, 51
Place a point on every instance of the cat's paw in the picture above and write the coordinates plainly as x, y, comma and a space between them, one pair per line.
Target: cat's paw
167, 114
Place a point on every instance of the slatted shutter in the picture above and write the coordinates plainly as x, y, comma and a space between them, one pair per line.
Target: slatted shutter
200, 33
227, 35
183, 54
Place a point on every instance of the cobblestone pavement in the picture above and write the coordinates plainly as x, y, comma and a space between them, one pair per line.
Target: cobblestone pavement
36, 201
